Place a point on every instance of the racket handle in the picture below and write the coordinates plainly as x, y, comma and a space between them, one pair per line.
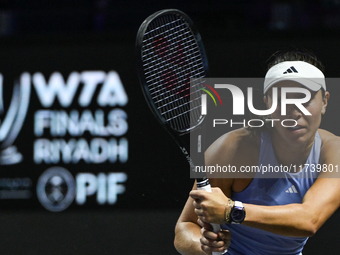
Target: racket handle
205, 185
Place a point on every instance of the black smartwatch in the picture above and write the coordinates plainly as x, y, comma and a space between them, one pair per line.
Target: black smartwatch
237, 213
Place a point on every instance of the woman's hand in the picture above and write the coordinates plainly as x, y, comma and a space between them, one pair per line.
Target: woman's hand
210, 207
213, 242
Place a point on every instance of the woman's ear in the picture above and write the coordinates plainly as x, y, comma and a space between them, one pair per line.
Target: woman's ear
325, 102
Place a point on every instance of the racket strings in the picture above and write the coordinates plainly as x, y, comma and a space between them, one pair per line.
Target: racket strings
171, 57
168, 110
152, 73
163, 49
194, 98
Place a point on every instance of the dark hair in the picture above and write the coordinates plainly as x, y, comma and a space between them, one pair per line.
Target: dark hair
306, 56
279, 57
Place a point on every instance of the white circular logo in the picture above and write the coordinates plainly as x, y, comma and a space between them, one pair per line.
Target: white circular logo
56, 189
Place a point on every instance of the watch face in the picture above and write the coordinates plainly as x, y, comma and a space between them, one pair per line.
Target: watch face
237, 215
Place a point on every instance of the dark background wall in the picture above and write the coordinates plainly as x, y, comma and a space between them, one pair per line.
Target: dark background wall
68, 36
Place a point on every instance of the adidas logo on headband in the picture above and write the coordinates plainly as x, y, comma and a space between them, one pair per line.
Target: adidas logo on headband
308, 75
291, 70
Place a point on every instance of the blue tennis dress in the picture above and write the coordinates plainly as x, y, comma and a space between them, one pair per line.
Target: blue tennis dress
289, 189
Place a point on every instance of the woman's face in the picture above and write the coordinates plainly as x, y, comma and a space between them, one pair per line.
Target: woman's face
307, 125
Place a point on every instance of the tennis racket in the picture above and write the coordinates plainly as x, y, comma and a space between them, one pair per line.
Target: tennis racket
172, 65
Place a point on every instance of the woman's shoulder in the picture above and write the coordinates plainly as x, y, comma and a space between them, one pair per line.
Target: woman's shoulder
234, 145
328, 138
330, 145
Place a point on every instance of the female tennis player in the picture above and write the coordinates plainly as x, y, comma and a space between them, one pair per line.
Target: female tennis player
269, 215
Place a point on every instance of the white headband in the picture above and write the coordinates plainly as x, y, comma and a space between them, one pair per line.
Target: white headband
302, 72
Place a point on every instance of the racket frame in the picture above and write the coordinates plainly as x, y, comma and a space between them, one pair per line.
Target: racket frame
139, 52
177, 135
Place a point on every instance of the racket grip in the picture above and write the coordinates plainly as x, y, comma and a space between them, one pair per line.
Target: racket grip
205, 185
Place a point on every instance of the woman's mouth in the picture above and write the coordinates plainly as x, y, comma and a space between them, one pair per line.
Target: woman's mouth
295, 129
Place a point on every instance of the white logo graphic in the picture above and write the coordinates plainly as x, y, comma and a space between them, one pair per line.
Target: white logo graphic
292, 189
11, 123
56, 189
